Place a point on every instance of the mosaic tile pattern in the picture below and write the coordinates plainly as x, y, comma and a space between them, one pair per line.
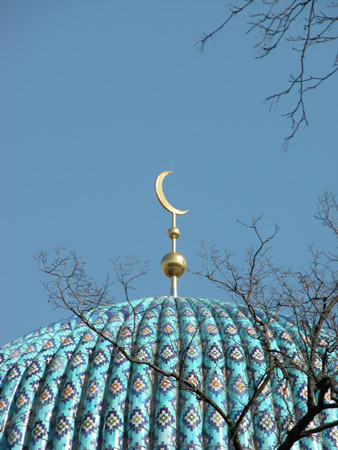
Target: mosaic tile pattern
66, 387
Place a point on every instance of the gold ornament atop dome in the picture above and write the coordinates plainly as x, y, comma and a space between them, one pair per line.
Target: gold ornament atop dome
173, 264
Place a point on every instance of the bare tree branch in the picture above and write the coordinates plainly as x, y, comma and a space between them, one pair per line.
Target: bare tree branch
309, 297
299, 24
264, 292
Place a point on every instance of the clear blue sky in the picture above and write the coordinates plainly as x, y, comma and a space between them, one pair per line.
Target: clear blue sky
97, 98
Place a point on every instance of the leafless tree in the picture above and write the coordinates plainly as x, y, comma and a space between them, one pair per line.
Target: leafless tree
310, 298
302, 25
70, 287
265, 292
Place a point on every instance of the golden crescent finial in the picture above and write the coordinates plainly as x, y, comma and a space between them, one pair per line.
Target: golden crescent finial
173, 264
161, 197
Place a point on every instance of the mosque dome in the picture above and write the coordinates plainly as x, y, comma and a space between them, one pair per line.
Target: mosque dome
67, 387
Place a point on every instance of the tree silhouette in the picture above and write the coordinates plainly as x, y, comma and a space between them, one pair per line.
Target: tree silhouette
301, 26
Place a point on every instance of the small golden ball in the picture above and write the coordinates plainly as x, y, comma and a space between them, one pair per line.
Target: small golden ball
174, 233
173, 264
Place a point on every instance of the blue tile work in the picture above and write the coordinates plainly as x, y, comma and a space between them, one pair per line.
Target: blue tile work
65, 386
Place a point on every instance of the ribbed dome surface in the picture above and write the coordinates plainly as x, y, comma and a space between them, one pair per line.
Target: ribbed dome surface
65, 387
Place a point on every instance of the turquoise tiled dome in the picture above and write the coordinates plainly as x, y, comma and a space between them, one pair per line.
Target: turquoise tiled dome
65, 387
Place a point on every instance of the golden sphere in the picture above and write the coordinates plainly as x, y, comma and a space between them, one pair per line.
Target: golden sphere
174, 233
173, 264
